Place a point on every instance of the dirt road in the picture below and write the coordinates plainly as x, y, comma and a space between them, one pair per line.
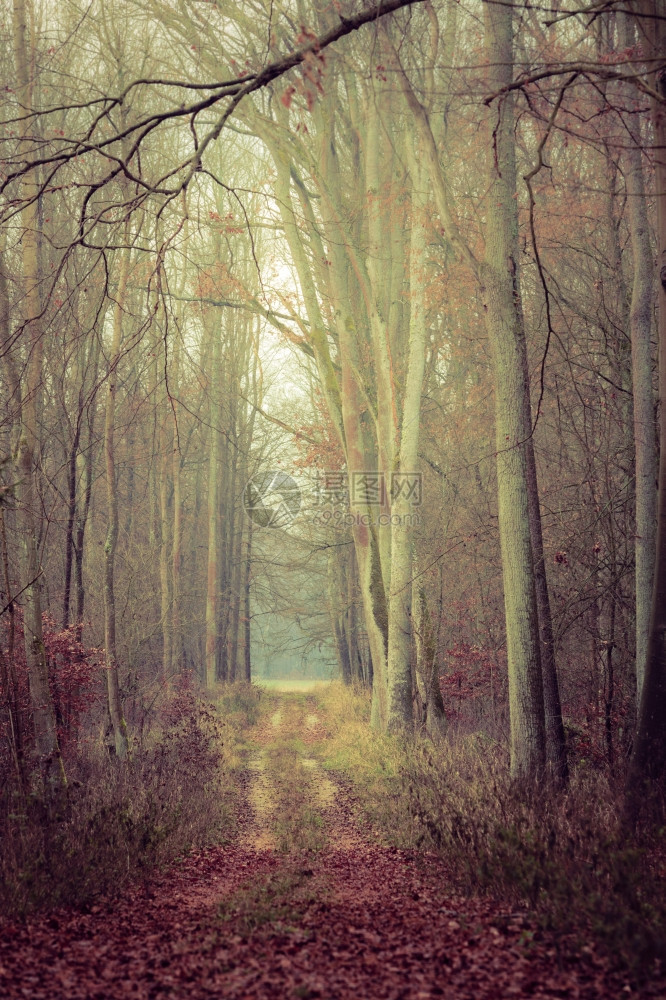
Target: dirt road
300, 905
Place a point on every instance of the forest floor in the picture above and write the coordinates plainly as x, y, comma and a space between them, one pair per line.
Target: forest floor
301, 904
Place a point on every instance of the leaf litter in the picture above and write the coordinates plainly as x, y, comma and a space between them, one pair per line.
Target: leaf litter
349, 918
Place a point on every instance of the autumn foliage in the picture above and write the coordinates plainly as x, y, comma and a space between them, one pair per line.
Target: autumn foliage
75, 673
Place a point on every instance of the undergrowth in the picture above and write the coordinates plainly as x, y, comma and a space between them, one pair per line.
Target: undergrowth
564, 855
242, 705
117, 820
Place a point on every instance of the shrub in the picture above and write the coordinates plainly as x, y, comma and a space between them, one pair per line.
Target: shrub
242, 704
74, 679
564, 855
117, 820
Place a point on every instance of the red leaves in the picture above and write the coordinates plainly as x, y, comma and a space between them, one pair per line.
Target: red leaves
363, 921
287, 96
305, 36
382, 924
311, 76
73, 669
473, 671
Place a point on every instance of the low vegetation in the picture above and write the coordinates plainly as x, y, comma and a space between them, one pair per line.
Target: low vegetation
565, 856
294, 818
116, 821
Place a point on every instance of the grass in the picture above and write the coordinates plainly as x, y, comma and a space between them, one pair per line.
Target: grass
291, 686
242, 705
371, 760
295, 820
277, 900
289, 803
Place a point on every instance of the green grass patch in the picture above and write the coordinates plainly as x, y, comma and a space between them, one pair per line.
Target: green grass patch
276, 902
295, 820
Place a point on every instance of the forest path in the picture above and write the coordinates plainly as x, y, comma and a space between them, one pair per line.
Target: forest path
300, 905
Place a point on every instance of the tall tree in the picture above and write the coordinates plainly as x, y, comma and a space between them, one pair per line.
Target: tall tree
110, 545
214, 432
642, 294
499, 277
648, 761
46, 736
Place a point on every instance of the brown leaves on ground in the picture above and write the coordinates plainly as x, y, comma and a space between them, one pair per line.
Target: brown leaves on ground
379, 925
356, 920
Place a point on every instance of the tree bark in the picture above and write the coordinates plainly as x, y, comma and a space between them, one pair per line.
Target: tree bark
110, 545
85, 476
400, 713
47, 748
556, 744
177, 539
648, 760
247, 606
336, 600
212, 587
502, 306
640, 320
166, 555
426, 665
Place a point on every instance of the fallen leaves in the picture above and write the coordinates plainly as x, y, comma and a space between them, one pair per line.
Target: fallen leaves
355, 920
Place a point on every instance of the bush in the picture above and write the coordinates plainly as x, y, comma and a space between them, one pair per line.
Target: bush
242, 704
74, 680
564, 855
118, 819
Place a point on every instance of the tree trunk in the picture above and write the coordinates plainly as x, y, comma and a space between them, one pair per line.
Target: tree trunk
212, 587
46, 737
235, 597
177, 539
113, 684
354, 651
556, 744
648, 761
402, 509
247, 583
645, 443
502, 306
426, 665
336, 599
85, 475
71, 516
166, 556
